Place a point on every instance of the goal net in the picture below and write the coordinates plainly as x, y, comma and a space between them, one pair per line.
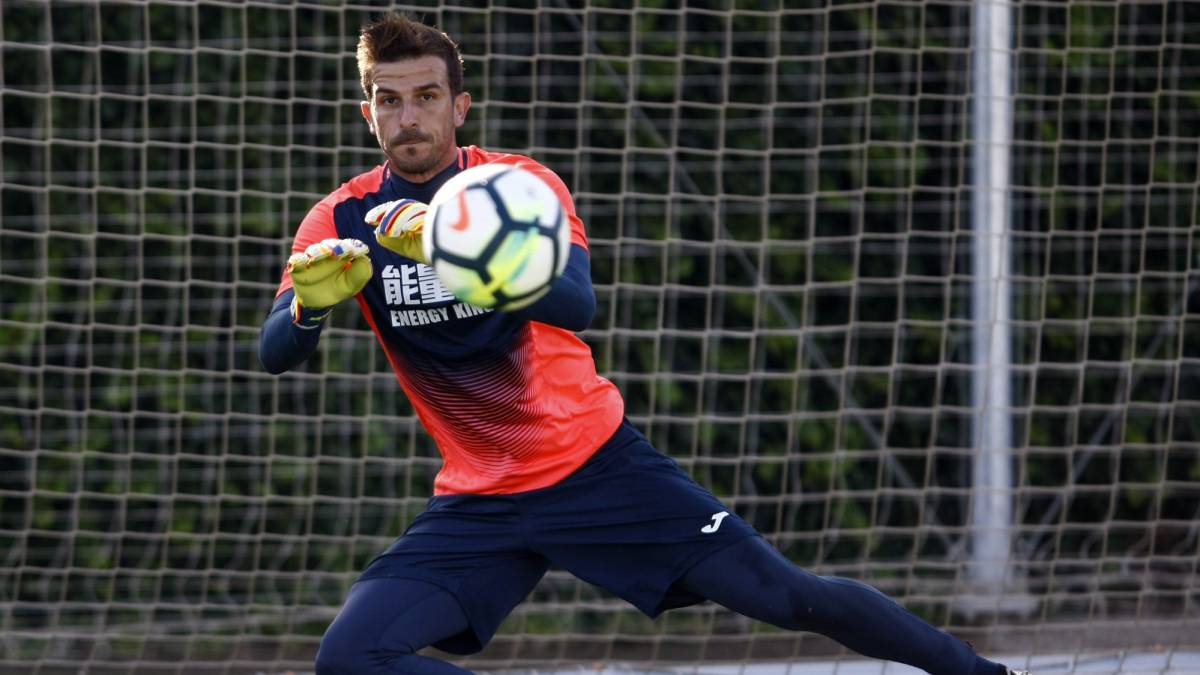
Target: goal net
778, 199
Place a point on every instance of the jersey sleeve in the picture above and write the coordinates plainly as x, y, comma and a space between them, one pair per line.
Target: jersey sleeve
317, 226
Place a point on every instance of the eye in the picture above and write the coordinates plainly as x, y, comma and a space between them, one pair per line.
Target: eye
388, 100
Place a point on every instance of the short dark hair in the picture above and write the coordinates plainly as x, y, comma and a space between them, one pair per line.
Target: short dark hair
396, 37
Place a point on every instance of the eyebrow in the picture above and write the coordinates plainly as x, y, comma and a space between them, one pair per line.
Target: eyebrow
423, 87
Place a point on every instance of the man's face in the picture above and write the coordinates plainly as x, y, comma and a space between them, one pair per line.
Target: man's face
413, 116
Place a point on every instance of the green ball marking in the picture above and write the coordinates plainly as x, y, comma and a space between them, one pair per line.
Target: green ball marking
512, 256
525, 210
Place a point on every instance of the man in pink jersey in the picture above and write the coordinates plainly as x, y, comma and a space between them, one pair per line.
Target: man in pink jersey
540, 465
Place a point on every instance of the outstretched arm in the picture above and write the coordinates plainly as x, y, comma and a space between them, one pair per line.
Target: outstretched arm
323, 275
571, 302
322, 271
284, 342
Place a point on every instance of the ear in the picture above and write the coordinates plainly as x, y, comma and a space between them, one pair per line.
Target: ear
462, 103
365, 107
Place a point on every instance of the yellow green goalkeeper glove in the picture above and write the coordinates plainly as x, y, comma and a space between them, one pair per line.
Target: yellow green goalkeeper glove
398, 227
327, 273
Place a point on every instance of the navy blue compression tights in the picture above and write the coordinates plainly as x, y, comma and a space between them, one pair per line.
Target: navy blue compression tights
386, 621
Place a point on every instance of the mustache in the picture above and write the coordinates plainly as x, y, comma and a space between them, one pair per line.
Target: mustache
408, 136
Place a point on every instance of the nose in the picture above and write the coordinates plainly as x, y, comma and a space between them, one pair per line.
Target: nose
408, 115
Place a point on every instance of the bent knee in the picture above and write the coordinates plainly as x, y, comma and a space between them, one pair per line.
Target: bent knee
334, 660
343, 653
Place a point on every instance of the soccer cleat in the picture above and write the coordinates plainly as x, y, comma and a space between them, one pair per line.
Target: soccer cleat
1010, 671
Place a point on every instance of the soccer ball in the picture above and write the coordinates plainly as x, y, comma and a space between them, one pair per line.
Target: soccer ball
497, 236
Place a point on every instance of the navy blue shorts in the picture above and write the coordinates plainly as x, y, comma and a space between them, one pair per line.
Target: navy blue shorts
630, 520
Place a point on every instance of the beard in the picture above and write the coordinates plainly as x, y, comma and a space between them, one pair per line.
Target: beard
413, 159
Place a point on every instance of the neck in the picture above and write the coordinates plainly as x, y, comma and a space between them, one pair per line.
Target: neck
420, 190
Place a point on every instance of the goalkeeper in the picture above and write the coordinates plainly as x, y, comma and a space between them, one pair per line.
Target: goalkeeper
540, 465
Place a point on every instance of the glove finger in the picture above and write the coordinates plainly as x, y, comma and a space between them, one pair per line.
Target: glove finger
358, 273
297, 260
324, 258
336, 248
408, 215
376, 213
